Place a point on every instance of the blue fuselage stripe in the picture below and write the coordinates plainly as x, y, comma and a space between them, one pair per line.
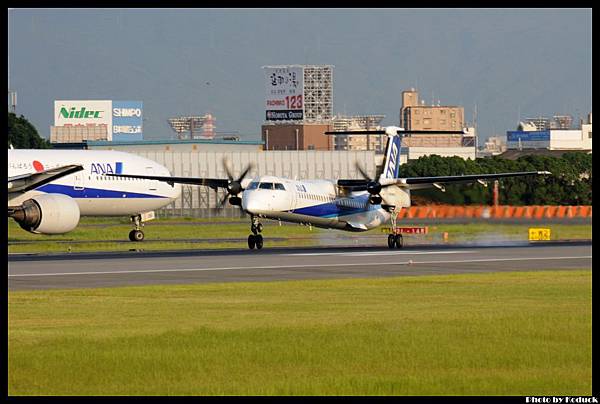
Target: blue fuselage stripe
91, 192
334, 209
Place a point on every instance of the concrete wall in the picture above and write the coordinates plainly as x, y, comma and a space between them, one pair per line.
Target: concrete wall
462, 152
176, 146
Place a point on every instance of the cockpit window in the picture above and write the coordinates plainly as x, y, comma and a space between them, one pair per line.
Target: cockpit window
279, 186
266, 185
253, 185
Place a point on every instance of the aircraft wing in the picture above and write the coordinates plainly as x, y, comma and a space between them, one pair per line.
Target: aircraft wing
438, 182
27, 182
428, 182
213, 183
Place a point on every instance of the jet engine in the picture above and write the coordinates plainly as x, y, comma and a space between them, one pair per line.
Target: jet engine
47, 214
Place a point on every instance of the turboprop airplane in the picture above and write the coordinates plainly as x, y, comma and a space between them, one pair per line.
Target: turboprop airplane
48, 190
345, 204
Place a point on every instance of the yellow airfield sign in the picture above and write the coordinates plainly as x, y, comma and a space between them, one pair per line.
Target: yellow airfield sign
538, 234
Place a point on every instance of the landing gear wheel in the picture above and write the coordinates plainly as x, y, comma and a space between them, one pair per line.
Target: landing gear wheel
391, 241
398, 241
259, 241
136, 235
251, 241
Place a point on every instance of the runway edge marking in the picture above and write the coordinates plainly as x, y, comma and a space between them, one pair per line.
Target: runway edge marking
412, 263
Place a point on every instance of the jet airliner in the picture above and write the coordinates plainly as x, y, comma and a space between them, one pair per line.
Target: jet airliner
345, 204
48, 190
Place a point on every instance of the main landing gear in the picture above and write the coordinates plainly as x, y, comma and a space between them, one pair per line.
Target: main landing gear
255, 239
136, 234
394, 239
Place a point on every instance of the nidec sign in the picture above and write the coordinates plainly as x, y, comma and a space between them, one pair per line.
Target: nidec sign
123, 119
284, 93
83, 112
73, 113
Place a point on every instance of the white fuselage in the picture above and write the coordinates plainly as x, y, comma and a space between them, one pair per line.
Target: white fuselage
314, 202
95, 193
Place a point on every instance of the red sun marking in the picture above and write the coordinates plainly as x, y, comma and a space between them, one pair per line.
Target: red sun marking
38, 166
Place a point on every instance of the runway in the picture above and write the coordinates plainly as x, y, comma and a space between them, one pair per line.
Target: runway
26, 272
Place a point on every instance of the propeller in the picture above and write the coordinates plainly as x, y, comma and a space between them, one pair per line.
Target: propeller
373, 185
234, 187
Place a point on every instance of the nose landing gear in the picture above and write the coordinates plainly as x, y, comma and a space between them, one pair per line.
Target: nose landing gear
255, 239
136, 234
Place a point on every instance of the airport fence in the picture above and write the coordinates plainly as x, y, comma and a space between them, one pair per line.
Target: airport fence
496, 212
500, 212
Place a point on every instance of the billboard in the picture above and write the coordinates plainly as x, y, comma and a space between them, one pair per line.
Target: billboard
534, 136
123, 119
284, 93
127, 120
83, 112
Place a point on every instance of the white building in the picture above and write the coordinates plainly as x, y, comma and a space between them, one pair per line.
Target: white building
551, 139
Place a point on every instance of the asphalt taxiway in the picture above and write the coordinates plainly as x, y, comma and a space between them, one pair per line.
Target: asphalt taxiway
180, 267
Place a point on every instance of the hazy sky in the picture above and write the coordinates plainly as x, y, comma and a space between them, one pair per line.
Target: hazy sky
510, 63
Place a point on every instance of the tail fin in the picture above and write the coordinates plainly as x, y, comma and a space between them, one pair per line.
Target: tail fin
391, 162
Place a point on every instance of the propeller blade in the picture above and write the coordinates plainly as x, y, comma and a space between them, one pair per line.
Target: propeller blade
243, 175
361, 171
222, 202
226, 166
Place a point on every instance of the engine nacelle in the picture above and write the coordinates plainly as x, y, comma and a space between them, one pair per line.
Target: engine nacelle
399, 197
47, 214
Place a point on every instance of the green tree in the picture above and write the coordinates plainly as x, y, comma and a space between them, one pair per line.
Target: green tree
569, 184
23, 135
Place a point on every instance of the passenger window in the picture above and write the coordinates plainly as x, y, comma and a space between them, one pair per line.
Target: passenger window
266, 185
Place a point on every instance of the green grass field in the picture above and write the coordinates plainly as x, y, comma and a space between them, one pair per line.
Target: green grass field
171, 234
519, 333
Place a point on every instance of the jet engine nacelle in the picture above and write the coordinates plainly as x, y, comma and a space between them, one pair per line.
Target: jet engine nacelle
47, 214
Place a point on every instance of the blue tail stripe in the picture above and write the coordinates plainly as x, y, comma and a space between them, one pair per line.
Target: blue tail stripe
392, 167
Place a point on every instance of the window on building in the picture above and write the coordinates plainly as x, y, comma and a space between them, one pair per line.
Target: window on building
311, 147
442, 121
416, 112
589, 135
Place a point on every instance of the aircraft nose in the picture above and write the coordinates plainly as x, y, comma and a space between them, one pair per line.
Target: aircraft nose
250, 202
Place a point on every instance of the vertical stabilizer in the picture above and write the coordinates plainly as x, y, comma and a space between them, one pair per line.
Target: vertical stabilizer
391, 163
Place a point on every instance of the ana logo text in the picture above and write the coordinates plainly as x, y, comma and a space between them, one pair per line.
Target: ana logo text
107, 168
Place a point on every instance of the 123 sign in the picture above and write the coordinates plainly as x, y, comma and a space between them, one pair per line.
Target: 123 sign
284, 93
